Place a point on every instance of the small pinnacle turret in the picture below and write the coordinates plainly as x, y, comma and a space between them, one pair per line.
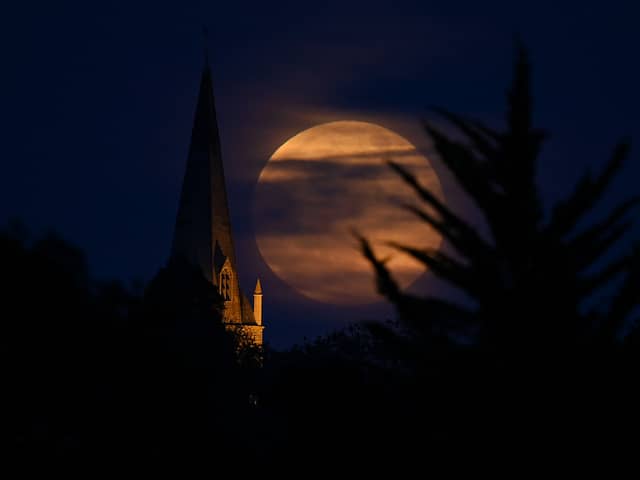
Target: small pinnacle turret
257, 303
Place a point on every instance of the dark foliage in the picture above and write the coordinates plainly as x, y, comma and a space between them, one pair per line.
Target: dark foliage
529, 279
97, 378
544, 361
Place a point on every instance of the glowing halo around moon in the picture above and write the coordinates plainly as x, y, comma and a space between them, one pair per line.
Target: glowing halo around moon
323, 183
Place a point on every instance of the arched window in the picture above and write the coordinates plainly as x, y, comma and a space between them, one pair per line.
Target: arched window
225, 284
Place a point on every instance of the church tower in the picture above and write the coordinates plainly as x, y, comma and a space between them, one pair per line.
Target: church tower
202, 235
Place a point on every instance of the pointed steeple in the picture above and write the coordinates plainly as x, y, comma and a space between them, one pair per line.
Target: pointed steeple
258, 290
202, 234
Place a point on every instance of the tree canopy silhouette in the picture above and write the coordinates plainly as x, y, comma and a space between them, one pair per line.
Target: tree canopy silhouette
93, 372
530, 278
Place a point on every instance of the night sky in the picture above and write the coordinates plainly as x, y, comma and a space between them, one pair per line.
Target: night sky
97, 103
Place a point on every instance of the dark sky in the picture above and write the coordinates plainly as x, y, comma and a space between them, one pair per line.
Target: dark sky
97, 101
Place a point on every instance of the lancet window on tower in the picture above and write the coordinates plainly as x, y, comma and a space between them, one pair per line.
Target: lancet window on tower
225, 284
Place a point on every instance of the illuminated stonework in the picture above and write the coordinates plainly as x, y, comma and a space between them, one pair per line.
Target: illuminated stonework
203, 236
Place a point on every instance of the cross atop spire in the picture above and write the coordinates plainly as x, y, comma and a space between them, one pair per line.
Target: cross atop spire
205, 45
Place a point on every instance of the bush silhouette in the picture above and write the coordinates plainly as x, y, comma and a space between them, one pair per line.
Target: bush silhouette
96, 377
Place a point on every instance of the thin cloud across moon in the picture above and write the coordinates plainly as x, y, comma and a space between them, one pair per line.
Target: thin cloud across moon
323, 183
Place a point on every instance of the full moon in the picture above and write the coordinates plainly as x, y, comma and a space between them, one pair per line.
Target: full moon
322, 184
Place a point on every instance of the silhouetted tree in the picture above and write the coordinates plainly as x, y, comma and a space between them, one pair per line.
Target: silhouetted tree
544, 360
92, 373
530, 277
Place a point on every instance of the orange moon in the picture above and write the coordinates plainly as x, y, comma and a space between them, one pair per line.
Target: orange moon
323, 183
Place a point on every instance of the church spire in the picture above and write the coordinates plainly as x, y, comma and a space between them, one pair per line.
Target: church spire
202, 234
